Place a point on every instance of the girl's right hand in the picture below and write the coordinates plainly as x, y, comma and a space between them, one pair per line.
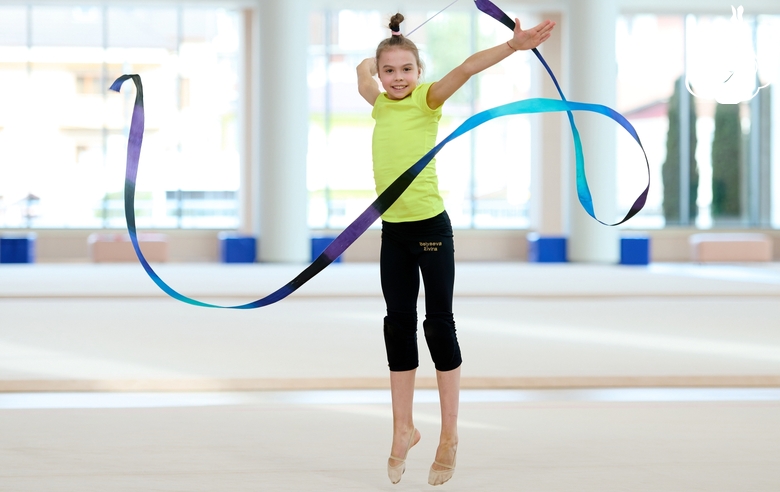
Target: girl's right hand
370, 64
368, 87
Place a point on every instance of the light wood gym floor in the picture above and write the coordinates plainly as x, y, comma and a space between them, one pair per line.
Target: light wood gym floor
576, 378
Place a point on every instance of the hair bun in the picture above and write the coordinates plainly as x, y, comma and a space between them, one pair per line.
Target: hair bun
395, 22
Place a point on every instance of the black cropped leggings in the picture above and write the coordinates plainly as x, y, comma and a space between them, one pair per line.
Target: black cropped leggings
408, 249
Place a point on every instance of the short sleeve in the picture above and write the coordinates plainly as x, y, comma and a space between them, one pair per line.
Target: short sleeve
420, 98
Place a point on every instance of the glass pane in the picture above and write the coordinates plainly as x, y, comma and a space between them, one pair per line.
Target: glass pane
154, 57
159, 27
768, 54
724, 59
441, 53
63, 137
15, 207
57, 136
340, 177
208, 100
67, 26
190, 165
503, 146
316, 170
650, 62
13, 26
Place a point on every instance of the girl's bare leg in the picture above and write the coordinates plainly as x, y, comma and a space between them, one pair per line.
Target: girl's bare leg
449, 398
402, 392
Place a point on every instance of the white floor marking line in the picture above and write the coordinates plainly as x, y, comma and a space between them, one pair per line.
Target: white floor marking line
385, 412
376, 402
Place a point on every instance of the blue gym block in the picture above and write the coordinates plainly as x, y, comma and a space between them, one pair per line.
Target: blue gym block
235, 248
318, 245
635, 250
546, 249
17, 249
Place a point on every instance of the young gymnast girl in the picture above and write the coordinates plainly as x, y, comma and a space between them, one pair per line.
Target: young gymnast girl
416, 231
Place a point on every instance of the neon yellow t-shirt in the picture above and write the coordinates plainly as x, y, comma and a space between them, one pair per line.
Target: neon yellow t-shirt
406, 130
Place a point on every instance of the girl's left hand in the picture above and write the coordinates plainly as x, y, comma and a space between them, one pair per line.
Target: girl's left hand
526, 40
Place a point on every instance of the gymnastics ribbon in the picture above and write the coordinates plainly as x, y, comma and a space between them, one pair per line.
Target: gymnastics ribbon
583, 191
387, 197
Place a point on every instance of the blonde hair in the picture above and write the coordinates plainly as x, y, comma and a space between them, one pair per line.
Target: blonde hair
398, 40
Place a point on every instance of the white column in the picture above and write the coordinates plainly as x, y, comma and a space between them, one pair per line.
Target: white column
593, 79
549, 171
283, 130
775, 148
248, 212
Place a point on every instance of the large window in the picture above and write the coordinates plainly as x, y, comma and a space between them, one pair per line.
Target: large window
690, 86
484, 176
63, 135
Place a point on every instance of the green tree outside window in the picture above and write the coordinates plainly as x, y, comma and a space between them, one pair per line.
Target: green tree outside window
670, 170
727, 163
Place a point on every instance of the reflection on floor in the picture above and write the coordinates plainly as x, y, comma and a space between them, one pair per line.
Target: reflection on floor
18, 401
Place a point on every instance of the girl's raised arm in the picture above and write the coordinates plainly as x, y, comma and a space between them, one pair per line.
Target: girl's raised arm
521, 40
367, 85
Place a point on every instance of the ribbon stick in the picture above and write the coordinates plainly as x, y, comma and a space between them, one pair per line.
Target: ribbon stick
431, 18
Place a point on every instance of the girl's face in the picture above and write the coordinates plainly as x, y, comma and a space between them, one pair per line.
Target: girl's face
398, 71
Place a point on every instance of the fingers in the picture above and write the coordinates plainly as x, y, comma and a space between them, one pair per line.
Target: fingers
533, 37
545, 27
542, 32
541, 29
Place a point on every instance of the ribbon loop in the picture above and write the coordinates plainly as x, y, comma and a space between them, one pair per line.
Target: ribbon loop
583, 190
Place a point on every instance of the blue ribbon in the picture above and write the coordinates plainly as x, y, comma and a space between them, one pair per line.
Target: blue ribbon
391, 194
